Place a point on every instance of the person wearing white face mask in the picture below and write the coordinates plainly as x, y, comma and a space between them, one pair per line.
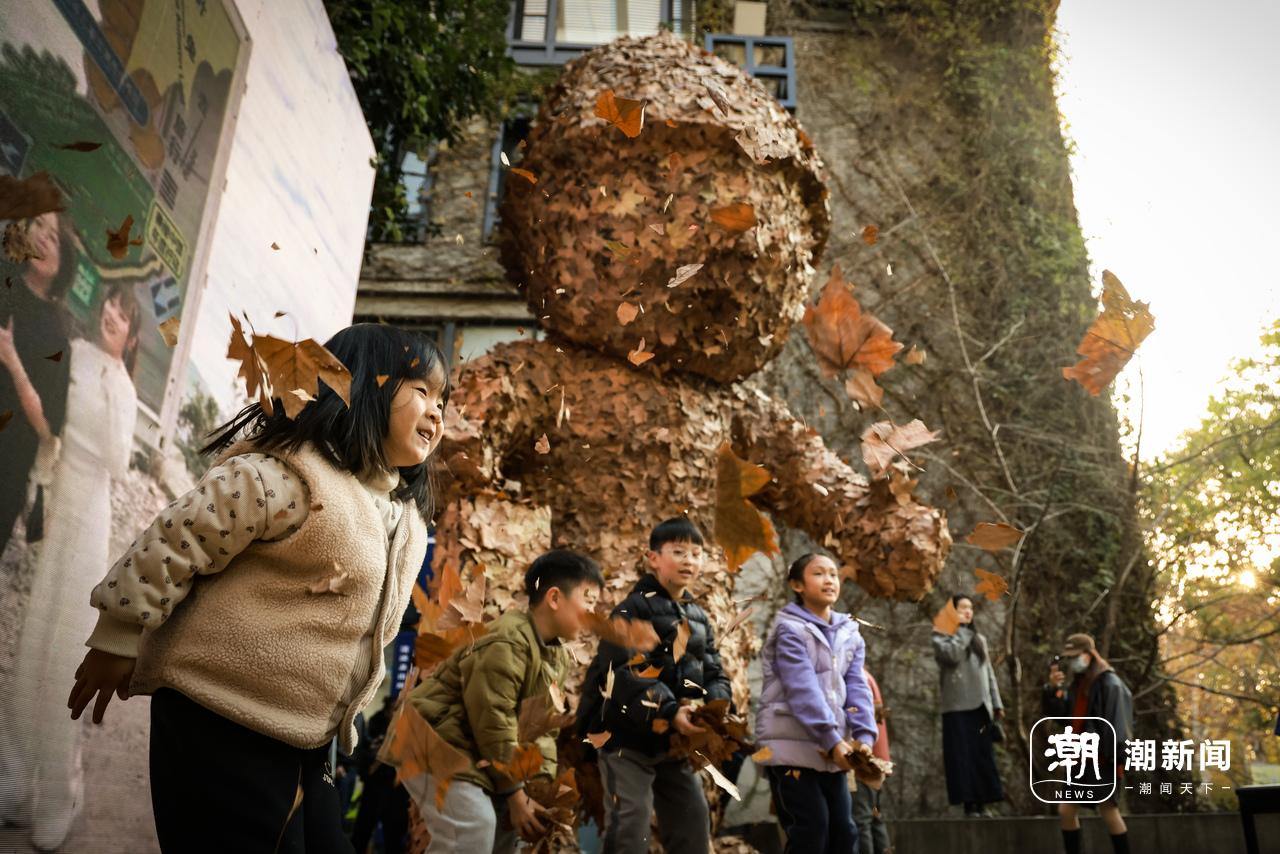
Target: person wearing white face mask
1084, 686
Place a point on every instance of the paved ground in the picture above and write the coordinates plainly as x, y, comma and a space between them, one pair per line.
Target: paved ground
117, 812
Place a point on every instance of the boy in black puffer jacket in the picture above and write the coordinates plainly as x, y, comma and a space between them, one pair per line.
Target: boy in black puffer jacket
637, 773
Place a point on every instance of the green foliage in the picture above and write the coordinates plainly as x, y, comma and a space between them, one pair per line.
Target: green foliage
420, 68
198, 417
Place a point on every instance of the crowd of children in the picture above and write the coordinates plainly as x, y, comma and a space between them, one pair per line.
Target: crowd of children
267, 593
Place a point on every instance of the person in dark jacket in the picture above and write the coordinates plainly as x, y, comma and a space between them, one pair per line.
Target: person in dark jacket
34, 373
637, 773
1095, 691
383, 800
971, 706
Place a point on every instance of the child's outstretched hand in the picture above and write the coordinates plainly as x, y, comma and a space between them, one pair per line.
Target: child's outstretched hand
683, 722
103, 674
524, 812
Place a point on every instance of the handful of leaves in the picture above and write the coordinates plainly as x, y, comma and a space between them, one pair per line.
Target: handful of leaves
560, 798
724, 734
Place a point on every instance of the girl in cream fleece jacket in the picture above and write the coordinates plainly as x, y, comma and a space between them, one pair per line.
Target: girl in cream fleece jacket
255, 608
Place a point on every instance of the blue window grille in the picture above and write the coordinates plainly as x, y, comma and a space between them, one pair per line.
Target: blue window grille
769, 59
552, 32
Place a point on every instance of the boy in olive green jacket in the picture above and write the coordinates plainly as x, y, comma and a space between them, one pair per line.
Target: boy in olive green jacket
473, 700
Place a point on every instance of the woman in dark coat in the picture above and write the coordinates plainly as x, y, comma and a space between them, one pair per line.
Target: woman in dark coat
1094, 691
970, 707
33, 358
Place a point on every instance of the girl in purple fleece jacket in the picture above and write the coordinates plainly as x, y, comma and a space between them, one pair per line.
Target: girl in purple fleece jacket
816, 711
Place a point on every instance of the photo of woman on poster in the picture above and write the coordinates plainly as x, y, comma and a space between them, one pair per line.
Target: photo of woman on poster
33, 367
41, 780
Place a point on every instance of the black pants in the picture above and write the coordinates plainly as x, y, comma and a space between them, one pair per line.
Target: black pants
815, 810
217, 786
382, 801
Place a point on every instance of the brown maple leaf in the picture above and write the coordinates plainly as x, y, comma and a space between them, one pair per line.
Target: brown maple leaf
467, 608
626, 114
619, 631
989, 583
737, 217
413, 747
29, 197
870, 234
252, 368
543, 445
299, 365
844, 337
741, 529
525, 174
118, 241
627, 313
993, 536
884, 440
538, 717
947, 620
525, 764
1112, 339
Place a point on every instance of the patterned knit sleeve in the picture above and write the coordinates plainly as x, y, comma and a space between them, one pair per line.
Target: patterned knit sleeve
248, 497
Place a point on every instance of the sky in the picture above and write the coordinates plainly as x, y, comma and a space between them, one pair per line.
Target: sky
1173, 109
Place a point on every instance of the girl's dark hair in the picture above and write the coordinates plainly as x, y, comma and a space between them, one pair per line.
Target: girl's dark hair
676, 530
351, 438
798, 566
957, 598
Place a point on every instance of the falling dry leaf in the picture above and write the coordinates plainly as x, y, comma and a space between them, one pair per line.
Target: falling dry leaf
525, 174
639, 356
736, 217
1112, 339
5, 418
993, 536
989, 583
169, 331
525, 764
884, 440
619, 631
413, 747
947, 620
914, 356
681, 643
843, 336
381, 379
764, 754
870, 234
683, 274
599, 739
275, 246
627, 313
467, 608
741, 529
299, 366
29, 197
721, 780
625, 114
82, 146
118, 241
543, 445
56, 357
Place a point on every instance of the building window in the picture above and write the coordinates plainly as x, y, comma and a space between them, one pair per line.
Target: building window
551, 32
769, 59
416, 179
509, 141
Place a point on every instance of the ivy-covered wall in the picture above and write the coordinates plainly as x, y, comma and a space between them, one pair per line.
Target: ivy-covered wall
938, 124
